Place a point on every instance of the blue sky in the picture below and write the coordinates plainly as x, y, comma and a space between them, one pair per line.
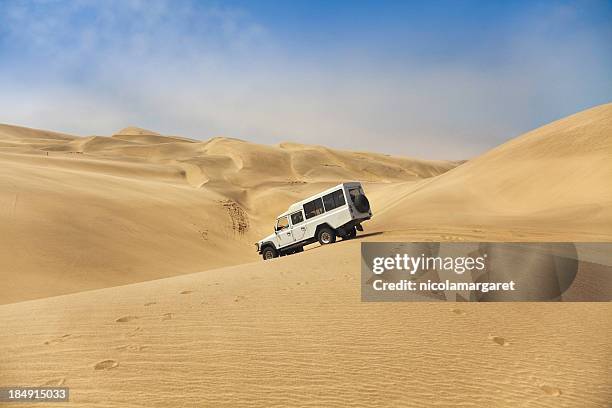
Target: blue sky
439, 79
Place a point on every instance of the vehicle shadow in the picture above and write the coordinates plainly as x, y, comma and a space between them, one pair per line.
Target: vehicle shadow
369, 234
358, 237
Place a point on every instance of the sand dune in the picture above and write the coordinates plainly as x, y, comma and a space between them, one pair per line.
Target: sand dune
291, 331
89, 212
554, 179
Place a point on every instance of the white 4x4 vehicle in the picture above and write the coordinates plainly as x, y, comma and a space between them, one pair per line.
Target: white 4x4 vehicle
338, 211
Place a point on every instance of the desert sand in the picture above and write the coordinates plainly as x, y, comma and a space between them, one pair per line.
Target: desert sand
99, 212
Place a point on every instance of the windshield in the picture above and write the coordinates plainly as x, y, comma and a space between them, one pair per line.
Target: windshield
282, 223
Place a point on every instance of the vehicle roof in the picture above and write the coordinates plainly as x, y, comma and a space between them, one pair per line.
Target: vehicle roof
298, 205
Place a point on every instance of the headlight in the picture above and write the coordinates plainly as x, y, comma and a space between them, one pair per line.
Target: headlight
257, 246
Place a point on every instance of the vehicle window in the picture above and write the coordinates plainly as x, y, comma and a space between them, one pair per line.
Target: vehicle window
313, 208
333, 200
296, 218
354, 192
282, 223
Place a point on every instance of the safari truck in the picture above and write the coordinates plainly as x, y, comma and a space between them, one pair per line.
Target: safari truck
336, 212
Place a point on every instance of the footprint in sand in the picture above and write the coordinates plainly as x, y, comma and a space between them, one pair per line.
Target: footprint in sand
55, 382
550, 390
186, 292
239, 298
126, 319
56, 340
167, 316
499, 340
134, 332
150, 303
458, 312
106, 365
131, 347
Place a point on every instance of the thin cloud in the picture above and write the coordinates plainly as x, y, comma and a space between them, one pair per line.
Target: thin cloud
184, 68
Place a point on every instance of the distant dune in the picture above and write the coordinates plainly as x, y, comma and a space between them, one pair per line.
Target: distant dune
82, 213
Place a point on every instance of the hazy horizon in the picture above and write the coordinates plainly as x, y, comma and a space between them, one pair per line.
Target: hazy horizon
443, 80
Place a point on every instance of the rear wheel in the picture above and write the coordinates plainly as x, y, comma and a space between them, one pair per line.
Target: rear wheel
269, 253
326, 236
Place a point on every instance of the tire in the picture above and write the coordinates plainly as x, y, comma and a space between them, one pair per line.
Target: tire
326, 236
269, 253
299, 249
362, 204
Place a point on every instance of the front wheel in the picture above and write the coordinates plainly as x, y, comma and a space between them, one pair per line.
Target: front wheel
269, 253
326, 236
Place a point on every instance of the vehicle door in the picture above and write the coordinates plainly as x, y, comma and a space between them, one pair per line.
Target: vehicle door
298, 226
283, 232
